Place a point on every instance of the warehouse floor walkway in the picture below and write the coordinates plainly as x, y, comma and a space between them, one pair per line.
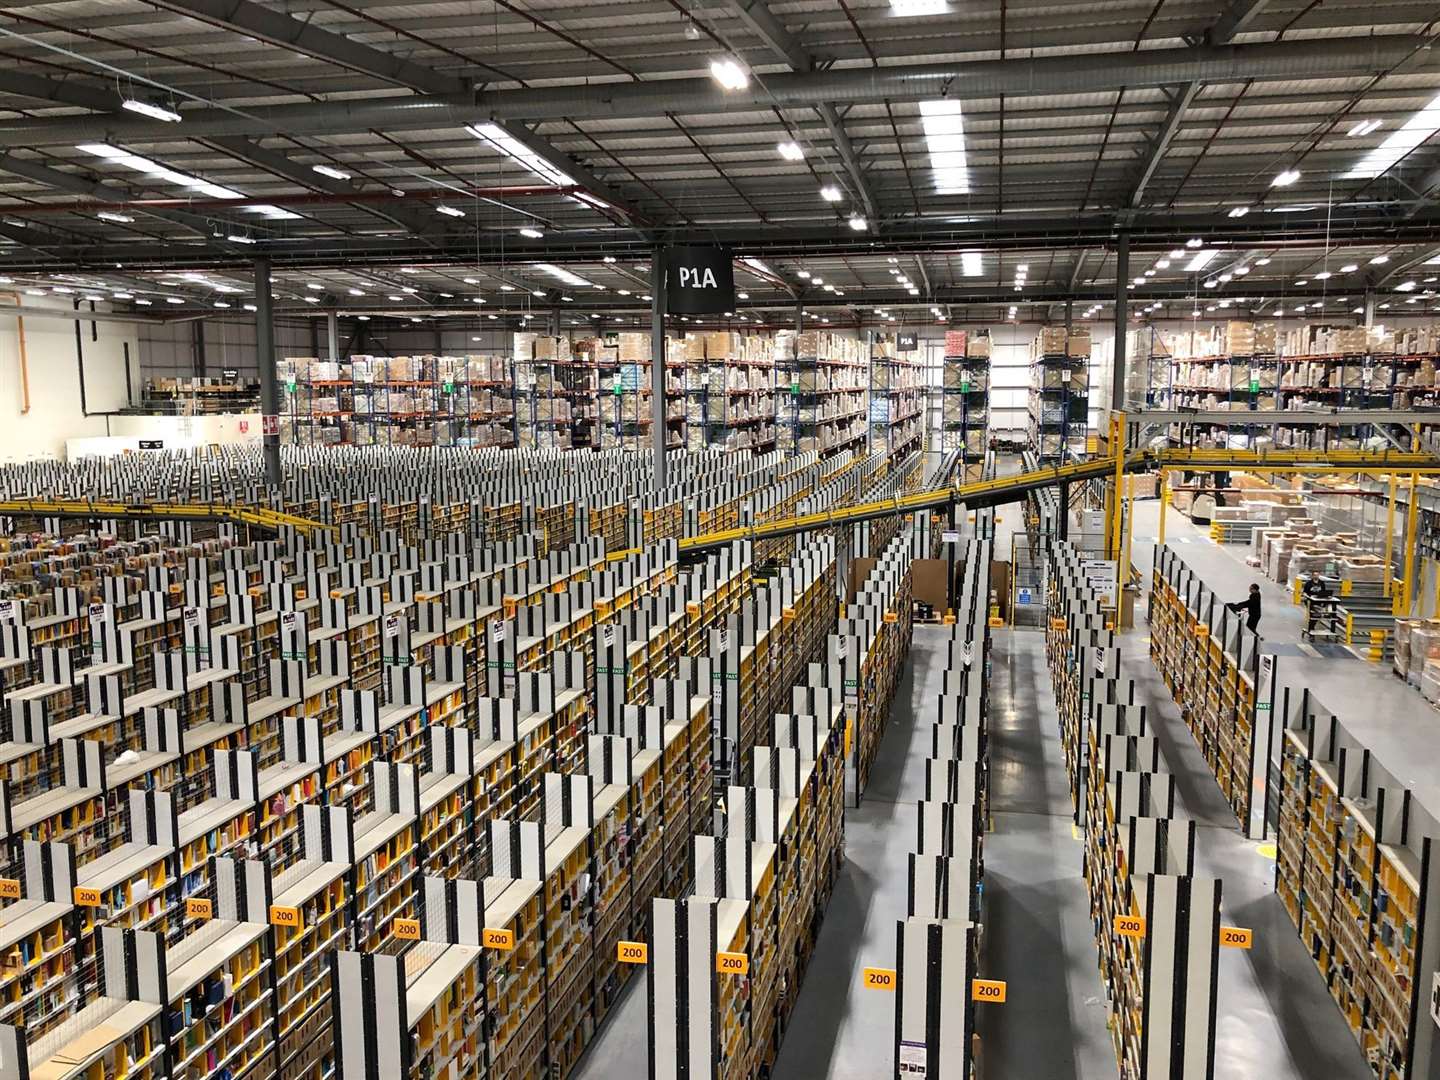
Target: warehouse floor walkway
1037, 933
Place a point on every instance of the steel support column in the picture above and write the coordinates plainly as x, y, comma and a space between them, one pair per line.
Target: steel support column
265, 360
658, 432
1122, 321
332, 333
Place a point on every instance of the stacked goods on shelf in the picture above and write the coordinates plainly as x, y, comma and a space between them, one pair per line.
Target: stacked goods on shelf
1059, 400
545, 414
897, 395
513, 971
729, 391
624, 412
1357, 875
822, 391
112, 1026
868, 651
725, 963
199, 397
399, 401
1147, 371
965, 402
756, 655
1262, 367
1157, 924
1223, 686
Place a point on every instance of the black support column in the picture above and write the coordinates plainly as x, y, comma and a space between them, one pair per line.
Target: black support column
1122, 321
265, 360
659, 433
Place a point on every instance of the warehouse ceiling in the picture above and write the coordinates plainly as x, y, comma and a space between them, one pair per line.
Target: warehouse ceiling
952, 140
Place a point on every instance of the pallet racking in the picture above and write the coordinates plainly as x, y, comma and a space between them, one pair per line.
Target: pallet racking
898, 396
1059, 403
730, 398
965, 401
823, 395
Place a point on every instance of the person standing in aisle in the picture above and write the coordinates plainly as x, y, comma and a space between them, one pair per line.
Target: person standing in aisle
1250, 604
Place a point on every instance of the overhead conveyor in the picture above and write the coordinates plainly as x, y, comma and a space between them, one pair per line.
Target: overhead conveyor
1010, 489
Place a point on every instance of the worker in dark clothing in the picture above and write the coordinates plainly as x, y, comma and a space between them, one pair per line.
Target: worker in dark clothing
1250, 604
1318, 601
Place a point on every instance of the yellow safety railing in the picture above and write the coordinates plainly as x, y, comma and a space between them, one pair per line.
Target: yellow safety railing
259, 516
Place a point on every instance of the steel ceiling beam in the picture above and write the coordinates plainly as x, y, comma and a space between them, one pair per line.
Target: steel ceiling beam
1019, 77
277, 28
1236, 19
246, 17
846, 149
762, 22
1184, 95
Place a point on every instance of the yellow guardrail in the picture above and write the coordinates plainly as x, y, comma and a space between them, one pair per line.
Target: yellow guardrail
260, 516
1136, 461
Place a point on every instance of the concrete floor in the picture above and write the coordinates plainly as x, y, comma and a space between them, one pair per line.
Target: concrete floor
1275, 1019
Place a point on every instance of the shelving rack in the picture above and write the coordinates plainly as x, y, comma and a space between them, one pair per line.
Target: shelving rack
719, 958
1059, 402
1157, 924
1357, 874
965, 401
898, 397
335, 722
1224, 686
397, 401
827, 387
730, 393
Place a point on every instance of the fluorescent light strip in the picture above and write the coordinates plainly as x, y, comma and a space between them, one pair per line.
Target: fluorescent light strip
153, 111
564, 275
137, 163
944, 129
1415, 131
517, 152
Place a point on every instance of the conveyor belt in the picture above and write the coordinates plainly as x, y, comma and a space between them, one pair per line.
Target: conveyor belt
1009, 489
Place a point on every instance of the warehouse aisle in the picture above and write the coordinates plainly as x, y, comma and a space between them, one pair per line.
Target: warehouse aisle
1037, 929
839, 1030
1275, 1018
1038, 935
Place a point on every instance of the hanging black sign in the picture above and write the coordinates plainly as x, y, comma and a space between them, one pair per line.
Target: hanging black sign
229, 374
906, 342
699, 281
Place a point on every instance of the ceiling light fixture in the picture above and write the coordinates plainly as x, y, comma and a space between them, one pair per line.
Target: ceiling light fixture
830, 193
944, 127
1194, 242
333, 174
449, 211
150, 109
1363, 128
1380, 260
790, 150
1201, 260
1415, 131
238, 238
728, 73
1239, 211
1285, 178
858, 223
532, 233
561, 274
1349, 268
971, 264
119, 219
1263, 262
